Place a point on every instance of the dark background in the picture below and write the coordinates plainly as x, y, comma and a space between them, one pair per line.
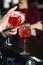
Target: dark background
33, 2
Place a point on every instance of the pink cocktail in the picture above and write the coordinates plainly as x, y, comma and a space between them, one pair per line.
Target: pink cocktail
24, 33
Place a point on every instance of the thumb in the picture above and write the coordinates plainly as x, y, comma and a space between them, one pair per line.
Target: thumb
14, 8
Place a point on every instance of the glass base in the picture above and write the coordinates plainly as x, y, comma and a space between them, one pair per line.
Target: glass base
24, 53
9, 44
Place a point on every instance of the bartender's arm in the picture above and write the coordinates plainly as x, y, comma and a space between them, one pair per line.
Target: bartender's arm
37, 25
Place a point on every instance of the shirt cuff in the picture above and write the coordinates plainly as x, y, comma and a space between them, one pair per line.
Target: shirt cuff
33, 32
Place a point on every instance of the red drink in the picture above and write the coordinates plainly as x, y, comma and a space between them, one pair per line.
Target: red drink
24, 32
15, 21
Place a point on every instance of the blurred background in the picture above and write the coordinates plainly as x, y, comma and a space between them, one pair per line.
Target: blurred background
5, 5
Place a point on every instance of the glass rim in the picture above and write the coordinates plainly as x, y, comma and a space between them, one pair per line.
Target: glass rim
25, 24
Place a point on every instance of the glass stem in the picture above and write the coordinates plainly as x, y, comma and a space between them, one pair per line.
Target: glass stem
24, 45
8, 40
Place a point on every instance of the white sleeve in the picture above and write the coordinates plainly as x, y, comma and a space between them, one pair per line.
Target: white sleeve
33, 32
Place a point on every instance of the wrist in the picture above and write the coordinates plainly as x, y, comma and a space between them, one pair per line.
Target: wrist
32, 26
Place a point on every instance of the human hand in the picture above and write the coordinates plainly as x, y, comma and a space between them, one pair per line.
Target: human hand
9, 32
4, 20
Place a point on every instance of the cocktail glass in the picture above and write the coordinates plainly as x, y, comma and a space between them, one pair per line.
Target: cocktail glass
24, 33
